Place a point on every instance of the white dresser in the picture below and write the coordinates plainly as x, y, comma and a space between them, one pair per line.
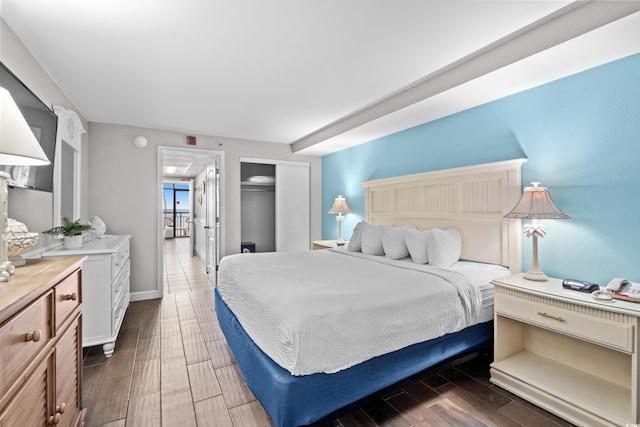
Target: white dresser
105, 288
566, 352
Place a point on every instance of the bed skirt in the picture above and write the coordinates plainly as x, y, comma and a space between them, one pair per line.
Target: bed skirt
293, 401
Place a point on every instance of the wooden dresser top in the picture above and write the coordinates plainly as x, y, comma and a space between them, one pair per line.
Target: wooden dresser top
33, 279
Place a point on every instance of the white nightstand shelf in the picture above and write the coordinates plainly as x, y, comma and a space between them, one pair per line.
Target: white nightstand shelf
564, 351
326, 244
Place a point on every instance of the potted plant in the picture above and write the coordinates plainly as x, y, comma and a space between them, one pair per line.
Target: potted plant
71, 231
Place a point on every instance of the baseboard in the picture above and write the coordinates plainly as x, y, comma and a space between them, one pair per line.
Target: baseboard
145, 295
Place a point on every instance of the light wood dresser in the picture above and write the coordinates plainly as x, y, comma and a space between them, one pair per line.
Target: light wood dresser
567, 352
40, 344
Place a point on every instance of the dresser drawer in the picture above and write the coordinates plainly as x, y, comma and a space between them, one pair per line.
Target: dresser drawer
121, 284
605, 332
117, 315
28, 407
23, 337
67, 298
119, 260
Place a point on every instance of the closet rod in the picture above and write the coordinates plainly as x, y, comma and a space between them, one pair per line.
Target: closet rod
258, 189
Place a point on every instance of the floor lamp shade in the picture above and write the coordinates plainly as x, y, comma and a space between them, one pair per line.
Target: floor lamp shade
536, 203
339, 207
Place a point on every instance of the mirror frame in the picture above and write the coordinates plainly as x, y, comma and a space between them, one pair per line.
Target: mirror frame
69, 134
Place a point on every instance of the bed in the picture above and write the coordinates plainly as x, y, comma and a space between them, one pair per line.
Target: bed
315, 331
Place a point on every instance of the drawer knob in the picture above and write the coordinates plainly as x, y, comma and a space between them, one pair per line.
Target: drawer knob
34, 336
547, 315
54, 419
71, 297
61, 408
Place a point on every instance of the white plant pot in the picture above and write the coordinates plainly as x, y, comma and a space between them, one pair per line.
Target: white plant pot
73, 242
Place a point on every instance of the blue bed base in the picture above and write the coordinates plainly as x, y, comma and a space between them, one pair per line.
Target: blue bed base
293, 401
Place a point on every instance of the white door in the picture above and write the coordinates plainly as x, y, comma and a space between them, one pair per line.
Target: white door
212, 226
292, 206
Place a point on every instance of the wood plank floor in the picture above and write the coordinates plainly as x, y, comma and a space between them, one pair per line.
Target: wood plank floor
172, 367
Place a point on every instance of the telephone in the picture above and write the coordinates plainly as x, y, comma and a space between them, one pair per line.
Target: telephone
617, 284
613, 288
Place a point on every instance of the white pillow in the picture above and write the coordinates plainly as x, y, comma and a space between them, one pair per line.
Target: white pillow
393, 242
371, 239
417, 241
444, 247
355, 242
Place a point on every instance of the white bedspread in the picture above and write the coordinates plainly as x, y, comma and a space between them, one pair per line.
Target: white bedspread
324, 311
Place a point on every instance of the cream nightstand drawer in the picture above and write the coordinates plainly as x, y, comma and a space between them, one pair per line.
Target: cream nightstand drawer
588, 327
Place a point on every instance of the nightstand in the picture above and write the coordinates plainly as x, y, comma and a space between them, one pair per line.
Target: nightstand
566, 352
326, 244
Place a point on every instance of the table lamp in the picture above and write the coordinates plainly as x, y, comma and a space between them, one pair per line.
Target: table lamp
18, 146
339, 207
535, 203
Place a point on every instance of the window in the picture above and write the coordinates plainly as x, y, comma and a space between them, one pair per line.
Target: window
176, 210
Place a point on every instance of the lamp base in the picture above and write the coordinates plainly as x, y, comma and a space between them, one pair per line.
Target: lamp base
18, 261
339, 220
535, 273
6, 271
537, 276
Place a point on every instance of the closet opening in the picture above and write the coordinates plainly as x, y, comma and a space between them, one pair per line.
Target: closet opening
258, 207
274, 205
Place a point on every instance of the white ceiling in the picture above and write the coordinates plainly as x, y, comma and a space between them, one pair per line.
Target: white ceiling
182, 164
319, 75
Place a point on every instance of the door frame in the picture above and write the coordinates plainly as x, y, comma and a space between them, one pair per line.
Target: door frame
212, 217
159, 216
281, 221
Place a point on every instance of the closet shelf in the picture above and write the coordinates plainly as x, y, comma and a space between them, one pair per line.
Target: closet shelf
257, 186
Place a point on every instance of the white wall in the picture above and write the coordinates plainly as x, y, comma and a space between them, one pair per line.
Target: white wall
123, 192
35, 208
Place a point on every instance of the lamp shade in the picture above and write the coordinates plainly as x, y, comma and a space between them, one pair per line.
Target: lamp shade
339, 206
18, 144
536, 203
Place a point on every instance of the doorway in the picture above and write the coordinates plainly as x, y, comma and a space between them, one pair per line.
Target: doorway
200, 174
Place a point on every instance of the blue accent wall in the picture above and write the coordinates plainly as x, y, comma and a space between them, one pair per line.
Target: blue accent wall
581, 135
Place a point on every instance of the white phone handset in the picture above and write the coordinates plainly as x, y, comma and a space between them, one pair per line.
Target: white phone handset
614, 285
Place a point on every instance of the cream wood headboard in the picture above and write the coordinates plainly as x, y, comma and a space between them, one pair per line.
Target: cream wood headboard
473, 199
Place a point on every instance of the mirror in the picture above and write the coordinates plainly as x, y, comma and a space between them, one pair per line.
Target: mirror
66, 169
